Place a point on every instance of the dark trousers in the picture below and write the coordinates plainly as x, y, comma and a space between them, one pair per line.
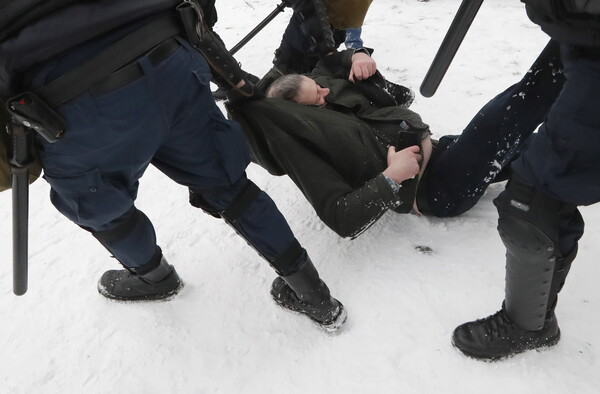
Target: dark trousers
297, 52
563, 159
462, 167
166, 118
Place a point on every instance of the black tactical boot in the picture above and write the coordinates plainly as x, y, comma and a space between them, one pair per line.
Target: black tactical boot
306, 293
497, 336
161, 283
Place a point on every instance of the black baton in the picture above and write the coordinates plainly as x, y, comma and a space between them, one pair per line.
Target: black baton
260, 26
20, 204
456, 33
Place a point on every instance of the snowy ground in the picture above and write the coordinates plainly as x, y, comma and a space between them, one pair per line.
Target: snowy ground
223, 334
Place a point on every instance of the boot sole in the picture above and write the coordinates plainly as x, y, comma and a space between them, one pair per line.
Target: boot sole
158, 297
489, 358
330, 328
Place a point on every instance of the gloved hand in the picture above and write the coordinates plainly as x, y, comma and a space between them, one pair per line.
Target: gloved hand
243, 92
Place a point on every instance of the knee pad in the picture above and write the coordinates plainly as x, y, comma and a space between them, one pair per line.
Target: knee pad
528, 224
243, 200
255, 218
241, 203
525, 203
197, 201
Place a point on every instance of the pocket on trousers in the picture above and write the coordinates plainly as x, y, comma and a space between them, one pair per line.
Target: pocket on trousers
580, 135
89, 199
202, 73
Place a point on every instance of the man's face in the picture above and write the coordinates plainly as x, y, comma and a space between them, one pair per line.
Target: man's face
310, 93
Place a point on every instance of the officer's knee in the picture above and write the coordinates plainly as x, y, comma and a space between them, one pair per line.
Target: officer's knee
529, 220
232, 211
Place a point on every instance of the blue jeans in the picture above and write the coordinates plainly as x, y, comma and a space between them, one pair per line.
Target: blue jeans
461, 168
353, 39
166, 118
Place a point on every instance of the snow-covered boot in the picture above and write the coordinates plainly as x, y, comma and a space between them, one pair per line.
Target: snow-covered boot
535, 273
161, 283
306, 293
497, 336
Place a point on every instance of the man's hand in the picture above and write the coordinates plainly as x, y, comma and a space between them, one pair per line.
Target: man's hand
403, 164
363, 66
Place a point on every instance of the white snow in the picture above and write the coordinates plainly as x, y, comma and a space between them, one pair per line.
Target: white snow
223, 333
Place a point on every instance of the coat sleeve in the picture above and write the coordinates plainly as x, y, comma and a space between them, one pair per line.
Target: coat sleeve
345, 209
335, 65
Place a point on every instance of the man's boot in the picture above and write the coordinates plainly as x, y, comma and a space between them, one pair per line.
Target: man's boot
535, 272
306, 293
161, 283
497, 336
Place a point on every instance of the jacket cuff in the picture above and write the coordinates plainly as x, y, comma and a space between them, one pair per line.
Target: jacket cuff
346, 55
389, 196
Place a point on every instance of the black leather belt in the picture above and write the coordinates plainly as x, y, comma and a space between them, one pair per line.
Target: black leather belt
133, 71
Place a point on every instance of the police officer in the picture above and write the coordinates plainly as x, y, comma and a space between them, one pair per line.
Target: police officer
157, 109
316, 28
539, 222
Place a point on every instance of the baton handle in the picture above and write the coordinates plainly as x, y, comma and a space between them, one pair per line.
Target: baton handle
20, 206
260, 26
456, 33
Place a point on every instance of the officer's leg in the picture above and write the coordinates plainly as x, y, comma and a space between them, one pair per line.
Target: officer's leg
305, 39
102, 202
103, 206
539, 222
254, 216
94, 171
292, 56
459, 172
540, 234
208, 154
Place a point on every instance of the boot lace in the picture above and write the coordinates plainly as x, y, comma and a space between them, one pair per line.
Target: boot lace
498, 325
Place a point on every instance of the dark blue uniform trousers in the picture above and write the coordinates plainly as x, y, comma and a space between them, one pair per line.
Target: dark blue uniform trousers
166, 118
563, 158
463, 166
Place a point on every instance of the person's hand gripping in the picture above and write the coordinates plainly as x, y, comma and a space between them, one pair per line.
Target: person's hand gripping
404, 164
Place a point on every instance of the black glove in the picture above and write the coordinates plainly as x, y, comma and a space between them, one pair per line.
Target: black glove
243, 94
